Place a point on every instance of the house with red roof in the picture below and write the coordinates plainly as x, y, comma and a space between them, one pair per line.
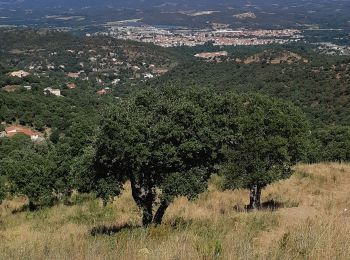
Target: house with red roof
13, 130
104, 91
71, 85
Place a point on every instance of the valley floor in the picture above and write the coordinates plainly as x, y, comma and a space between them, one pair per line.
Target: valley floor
305, 217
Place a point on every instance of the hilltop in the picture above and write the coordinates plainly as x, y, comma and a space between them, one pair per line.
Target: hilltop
48, 78
43, 51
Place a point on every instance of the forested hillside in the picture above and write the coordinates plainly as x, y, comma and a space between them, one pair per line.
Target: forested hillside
92, 72
197, 145
320, 84
53, 51
77, 66
316, 82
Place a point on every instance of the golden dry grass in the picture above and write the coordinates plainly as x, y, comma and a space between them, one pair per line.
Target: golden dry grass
312, 222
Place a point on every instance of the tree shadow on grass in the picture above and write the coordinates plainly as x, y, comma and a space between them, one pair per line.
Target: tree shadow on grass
28, 208
20, 209
110, 230
271, 205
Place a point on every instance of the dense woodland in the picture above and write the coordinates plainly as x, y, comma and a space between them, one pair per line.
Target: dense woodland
319, 84
248, 121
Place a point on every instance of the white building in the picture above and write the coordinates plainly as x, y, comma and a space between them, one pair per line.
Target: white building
148, 76
53, 91
115, 82
19, 74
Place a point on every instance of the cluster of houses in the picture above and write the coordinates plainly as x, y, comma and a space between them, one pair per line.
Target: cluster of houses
103, 66
17, 74
103, 63
57, 92
49, 90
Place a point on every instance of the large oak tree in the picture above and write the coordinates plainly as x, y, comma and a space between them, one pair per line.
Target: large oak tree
165, 142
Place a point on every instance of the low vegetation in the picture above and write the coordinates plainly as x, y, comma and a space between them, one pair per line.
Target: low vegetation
305, 217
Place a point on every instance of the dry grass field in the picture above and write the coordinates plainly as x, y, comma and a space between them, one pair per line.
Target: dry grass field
305, 217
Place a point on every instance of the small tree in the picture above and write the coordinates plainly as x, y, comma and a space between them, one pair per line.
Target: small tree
164, 141
272, 137
30, 174
8, 145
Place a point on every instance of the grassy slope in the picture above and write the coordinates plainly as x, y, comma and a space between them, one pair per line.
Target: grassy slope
311, 223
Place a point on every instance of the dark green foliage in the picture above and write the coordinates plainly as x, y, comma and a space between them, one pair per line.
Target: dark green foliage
72, 119
7, 146
57, 168
17, 142
320, 87
67, 53
272, 137
73, 156
159, 139
30, 173
39, 111
55, 136
168, 141
333, 143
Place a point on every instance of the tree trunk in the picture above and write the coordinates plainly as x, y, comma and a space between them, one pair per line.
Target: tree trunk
144, 197
255, 194
32, 206
158, 217
147, 214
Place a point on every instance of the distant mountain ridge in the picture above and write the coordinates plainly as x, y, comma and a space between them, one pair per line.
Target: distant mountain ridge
269, 14
40, 4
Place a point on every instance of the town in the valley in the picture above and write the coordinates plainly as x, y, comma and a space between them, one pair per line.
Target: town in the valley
172, 37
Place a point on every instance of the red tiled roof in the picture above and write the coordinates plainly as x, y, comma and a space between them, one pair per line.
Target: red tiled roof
13, 130
102, 92
71, 85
